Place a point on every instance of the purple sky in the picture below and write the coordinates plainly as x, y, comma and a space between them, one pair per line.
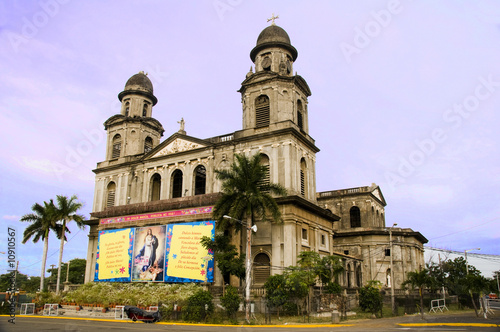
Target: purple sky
405, 94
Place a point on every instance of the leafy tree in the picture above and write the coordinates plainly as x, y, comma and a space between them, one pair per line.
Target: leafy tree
23, 282
76, 271
327, 269
420, 280
199, 306
44, 219
66, 212
231, 301
475, 284
308, 262
455, 272
277, 293
296, 280
370, 298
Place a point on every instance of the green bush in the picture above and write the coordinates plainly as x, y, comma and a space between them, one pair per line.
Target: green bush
231, 301
370, 299
289, 309
199, 305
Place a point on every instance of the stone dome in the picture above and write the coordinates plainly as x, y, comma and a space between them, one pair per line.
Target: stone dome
139, 81
273, 36
139, 84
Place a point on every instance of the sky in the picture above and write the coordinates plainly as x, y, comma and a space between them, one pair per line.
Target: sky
405, 94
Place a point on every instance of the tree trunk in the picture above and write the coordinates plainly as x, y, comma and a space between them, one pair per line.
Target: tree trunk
473, 303
421, 302
61, 247
44, 260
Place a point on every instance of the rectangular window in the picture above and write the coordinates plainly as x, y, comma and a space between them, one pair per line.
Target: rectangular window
323, 240
387, 252
302, 183
304, 234
116, 150
111, 199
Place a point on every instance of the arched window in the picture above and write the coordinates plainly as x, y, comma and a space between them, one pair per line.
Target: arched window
110, 194
349, 272
155, 187
300, 115
264, 161
127, 108
262, 111
177, 183
303, 178
359, 276
117, 146
261, 268
355, 217
145, 109
200, 180
148, 144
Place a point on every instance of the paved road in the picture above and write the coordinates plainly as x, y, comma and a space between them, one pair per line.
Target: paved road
460, 322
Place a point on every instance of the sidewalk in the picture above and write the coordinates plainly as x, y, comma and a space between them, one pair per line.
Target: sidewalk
467, 318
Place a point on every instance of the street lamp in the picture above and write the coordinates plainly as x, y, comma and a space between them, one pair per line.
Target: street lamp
247, 267
392, 271
466, 263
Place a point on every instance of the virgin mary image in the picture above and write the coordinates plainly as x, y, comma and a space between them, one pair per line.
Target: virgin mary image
149, 251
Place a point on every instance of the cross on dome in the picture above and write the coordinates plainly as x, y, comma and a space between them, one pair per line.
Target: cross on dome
272, 19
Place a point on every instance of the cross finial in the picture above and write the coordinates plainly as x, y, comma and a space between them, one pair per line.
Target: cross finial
272, 19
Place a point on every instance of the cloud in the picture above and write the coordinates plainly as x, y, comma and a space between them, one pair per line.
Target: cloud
11, 217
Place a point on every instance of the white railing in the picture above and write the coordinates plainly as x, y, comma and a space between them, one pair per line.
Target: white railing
27, 309
439, 304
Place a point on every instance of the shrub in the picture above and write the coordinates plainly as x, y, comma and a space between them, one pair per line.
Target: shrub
199, 305
231, 301
370, 299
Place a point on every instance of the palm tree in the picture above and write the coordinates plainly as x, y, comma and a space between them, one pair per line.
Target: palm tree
44, 219
66, 212
421, 280
246, 193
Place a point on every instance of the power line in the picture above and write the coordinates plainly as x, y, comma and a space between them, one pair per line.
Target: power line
465, 229
55, 252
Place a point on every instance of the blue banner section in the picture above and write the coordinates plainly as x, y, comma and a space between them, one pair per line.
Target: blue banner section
186, 260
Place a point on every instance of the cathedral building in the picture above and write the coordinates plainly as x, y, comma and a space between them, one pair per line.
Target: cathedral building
146, 182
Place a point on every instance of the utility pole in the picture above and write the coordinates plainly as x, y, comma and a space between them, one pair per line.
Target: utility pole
67, 273
52, 272
466, 262
393, 284
498, 284
248, 269
442, 273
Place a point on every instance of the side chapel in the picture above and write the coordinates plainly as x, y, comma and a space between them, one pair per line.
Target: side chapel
142, 174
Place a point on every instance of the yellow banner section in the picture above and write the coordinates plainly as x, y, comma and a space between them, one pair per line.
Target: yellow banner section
187, 257
113, 255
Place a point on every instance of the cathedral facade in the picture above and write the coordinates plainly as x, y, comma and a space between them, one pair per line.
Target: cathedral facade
173, 181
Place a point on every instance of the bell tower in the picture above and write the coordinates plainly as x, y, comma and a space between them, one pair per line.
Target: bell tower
273, 95
134, 131
275, 115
